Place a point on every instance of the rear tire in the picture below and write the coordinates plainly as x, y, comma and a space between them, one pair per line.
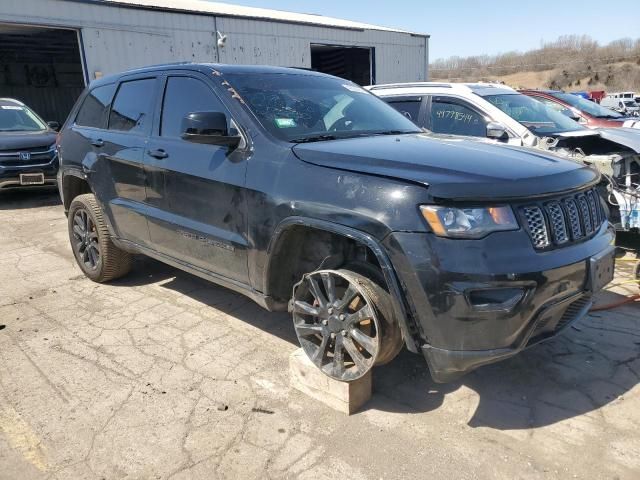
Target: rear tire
96, 255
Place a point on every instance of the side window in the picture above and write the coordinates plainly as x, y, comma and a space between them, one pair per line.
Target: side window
184, 95
452, 118
409, 107
131, 111
95, 107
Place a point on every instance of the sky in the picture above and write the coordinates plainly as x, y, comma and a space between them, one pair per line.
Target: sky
467, 27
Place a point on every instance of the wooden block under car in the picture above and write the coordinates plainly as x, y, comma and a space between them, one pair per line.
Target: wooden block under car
346, 397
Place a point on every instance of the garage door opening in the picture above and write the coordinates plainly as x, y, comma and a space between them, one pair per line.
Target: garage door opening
353, 63
42, 68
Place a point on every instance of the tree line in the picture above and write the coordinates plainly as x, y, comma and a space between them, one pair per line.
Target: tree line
577, 61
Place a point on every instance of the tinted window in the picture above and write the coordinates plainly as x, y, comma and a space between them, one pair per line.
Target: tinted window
94, 109
455, 119
185, 95
132, 107
301, 107
409, 108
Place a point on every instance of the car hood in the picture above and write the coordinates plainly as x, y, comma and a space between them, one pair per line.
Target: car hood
629, 137
451, 167
16, 141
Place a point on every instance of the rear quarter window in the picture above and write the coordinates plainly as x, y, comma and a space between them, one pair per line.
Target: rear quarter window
95, 107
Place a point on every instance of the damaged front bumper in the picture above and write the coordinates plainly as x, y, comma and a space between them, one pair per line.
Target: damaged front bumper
480, 301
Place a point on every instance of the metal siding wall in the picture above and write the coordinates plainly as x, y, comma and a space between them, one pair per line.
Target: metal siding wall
399, 57
117, 39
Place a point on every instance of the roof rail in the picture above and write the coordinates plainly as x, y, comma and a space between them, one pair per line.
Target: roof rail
409, 85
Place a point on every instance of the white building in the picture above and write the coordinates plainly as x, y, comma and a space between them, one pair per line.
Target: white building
50, 49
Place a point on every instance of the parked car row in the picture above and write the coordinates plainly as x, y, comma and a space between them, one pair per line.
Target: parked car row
307, 193
582, 110
623, 106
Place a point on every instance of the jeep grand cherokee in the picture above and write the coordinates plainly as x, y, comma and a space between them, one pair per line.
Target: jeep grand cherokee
305, 192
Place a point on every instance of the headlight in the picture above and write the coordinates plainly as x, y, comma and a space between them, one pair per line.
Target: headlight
468, 222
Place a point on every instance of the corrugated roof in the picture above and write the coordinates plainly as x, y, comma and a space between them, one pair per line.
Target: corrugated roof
225, 9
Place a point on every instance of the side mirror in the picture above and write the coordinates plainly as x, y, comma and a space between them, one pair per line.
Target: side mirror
209, 128
55, 126
497, 131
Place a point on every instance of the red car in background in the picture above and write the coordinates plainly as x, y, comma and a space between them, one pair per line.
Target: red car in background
587, 112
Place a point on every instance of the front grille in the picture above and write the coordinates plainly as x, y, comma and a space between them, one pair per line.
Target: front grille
38, 156
564, 220
574, 218
558, 223
537, 226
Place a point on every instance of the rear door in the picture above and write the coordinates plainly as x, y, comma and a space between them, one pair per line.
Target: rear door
119, 172
196, 194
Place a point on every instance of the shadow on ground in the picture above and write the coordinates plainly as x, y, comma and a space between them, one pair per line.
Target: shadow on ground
576, 373
29, 198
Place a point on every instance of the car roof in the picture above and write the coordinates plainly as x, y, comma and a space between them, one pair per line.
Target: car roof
540, 90
208, 68
10, 102
479, 88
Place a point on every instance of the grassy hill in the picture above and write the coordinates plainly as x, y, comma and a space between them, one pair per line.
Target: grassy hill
570, 63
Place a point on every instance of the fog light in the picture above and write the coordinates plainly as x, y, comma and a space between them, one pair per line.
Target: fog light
495, 298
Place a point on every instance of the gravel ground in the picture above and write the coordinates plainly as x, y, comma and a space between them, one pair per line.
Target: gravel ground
162, 375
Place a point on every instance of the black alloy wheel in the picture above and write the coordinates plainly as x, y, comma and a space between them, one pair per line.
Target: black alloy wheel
337, 323
85, 235
96, 254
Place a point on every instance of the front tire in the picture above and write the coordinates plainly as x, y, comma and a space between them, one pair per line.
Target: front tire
344, 323
96, 255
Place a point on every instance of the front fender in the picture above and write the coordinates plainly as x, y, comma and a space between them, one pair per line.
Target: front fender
399, 300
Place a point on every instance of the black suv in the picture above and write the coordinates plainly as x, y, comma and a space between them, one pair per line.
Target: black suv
27, 147
304, 191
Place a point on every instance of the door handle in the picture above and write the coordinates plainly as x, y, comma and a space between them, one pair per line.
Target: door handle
97, 142
159, 154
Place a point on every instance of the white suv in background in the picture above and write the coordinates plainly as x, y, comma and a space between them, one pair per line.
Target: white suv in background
500, 113
486, 110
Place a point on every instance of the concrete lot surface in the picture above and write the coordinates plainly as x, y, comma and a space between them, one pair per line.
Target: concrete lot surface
163, 376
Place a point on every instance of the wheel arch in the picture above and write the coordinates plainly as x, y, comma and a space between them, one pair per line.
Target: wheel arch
73, 184
282, 234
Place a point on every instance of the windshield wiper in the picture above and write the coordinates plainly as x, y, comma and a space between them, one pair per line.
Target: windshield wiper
314, 138
393, 132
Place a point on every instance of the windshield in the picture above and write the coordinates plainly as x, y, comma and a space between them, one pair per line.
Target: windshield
587, 106
629, 103
535, 115
17, 118
302, 108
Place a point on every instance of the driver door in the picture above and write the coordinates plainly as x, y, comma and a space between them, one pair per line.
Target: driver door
196, 196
